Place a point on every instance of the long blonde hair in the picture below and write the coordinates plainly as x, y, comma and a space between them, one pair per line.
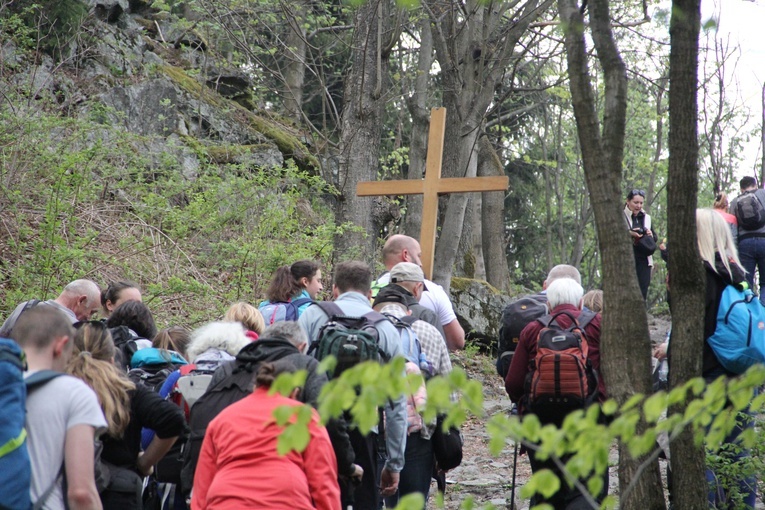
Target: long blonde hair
713, 236
92, 361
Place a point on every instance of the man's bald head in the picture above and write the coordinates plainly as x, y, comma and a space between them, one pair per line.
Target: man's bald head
401, 248
563, 271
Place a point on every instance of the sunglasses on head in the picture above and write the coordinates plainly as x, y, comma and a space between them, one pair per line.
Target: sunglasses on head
637, 192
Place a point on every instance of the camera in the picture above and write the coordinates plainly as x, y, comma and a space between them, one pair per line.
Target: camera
640, 231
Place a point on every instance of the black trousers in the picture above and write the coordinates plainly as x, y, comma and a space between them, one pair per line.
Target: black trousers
366, 495
567, 498
643, 271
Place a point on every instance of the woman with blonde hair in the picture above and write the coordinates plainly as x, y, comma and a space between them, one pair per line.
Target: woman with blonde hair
128, 407
249, 316
723, 268
93, 362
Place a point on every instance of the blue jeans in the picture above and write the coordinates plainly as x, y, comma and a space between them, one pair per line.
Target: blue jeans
751, 251
418, 469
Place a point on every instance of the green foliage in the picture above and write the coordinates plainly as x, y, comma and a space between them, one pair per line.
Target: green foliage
79, 201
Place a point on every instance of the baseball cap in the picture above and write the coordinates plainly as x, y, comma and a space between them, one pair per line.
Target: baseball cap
407, 272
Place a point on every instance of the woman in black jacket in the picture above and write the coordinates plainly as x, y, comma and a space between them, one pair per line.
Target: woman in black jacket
639, 226
723, 268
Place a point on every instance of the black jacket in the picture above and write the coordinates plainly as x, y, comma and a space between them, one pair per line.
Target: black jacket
716, 283
147, 409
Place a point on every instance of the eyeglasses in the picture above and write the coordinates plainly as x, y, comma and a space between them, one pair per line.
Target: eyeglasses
94, 324
637, 192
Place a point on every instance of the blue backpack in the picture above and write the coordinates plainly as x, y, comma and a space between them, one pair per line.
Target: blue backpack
282, 310
14, 456
739, 337
410, 344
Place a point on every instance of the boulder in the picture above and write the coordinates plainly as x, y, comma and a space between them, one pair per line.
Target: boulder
479, 306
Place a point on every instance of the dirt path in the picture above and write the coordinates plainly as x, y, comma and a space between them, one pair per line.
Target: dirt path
488, 479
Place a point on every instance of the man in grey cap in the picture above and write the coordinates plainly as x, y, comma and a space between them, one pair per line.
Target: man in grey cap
79, 301
407, 290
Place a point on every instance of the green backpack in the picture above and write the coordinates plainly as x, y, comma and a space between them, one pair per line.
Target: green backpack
351, 340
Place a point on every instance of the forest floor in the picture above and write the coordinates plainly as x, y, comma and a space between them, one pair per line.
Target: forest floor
489, 479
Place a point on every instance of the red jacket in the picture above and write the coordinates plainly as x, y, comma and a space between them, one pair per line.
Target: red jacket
240, 468
527, 351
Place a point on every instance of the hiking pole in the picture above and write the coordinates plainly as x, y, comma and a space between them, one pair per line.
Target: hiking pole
515, 464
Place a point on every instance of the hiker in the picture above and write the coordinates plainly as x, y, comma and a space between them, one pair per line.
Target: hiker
722, 268
564, 297
234, 380
132, 327
79, 301
63, 415
749, 209
117, 293
643, 237
351, 287
122, 452
239, 466
174, 338
401, 291
593, 300
249, 316
518, 314
401, 248
292, 290
392, 300
216, 343
721, 207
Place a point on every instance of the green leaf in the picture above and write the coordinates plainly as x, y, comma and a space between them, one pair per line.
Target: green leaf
632, 402
654, 406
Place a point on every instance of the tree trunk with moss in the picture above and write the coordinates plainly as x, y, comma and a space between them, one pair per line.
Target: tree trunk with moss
362, 121
625, 342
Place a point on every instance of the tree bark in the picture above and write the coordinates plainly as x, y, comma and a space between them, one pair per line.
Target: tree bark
418, 145
687, 274
474, 45
625, 343
493, 219
361, 123
295, 52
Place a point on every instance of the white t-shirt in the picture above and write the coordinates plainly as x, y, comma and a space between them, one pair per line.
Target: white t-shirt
434, 298
52, 409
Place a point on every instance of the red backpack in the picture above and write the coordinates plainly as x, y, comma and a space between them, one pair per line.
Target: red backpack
561, 378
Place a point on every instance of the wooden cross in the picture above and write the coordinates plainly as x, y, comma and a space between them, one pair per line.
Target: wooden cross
432, 186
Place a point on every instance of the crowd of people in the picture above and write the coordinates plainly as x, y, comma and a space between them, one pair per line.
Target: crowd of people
106, 430
126, 415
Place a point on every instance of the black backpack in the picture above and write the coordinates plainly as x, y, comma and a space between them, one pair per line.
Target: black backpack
750, 212
351, 340
516, 316
237, 382
126, 343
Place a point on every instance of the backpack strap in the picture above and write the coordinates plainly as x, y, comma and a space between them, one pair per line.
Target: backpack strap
40, 503
330, 308
409, 320
301, 301
585, 318
40, 378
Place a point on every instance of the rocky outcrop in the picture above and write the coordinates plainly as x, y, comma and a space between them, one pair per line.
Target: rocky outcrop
479, 307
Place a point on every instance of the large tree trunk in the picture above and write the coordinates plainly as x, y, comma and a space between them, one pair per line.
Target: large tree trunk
687, 283
474, 46
362, 120
493, 219
294, 73
625, 343
418, 145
